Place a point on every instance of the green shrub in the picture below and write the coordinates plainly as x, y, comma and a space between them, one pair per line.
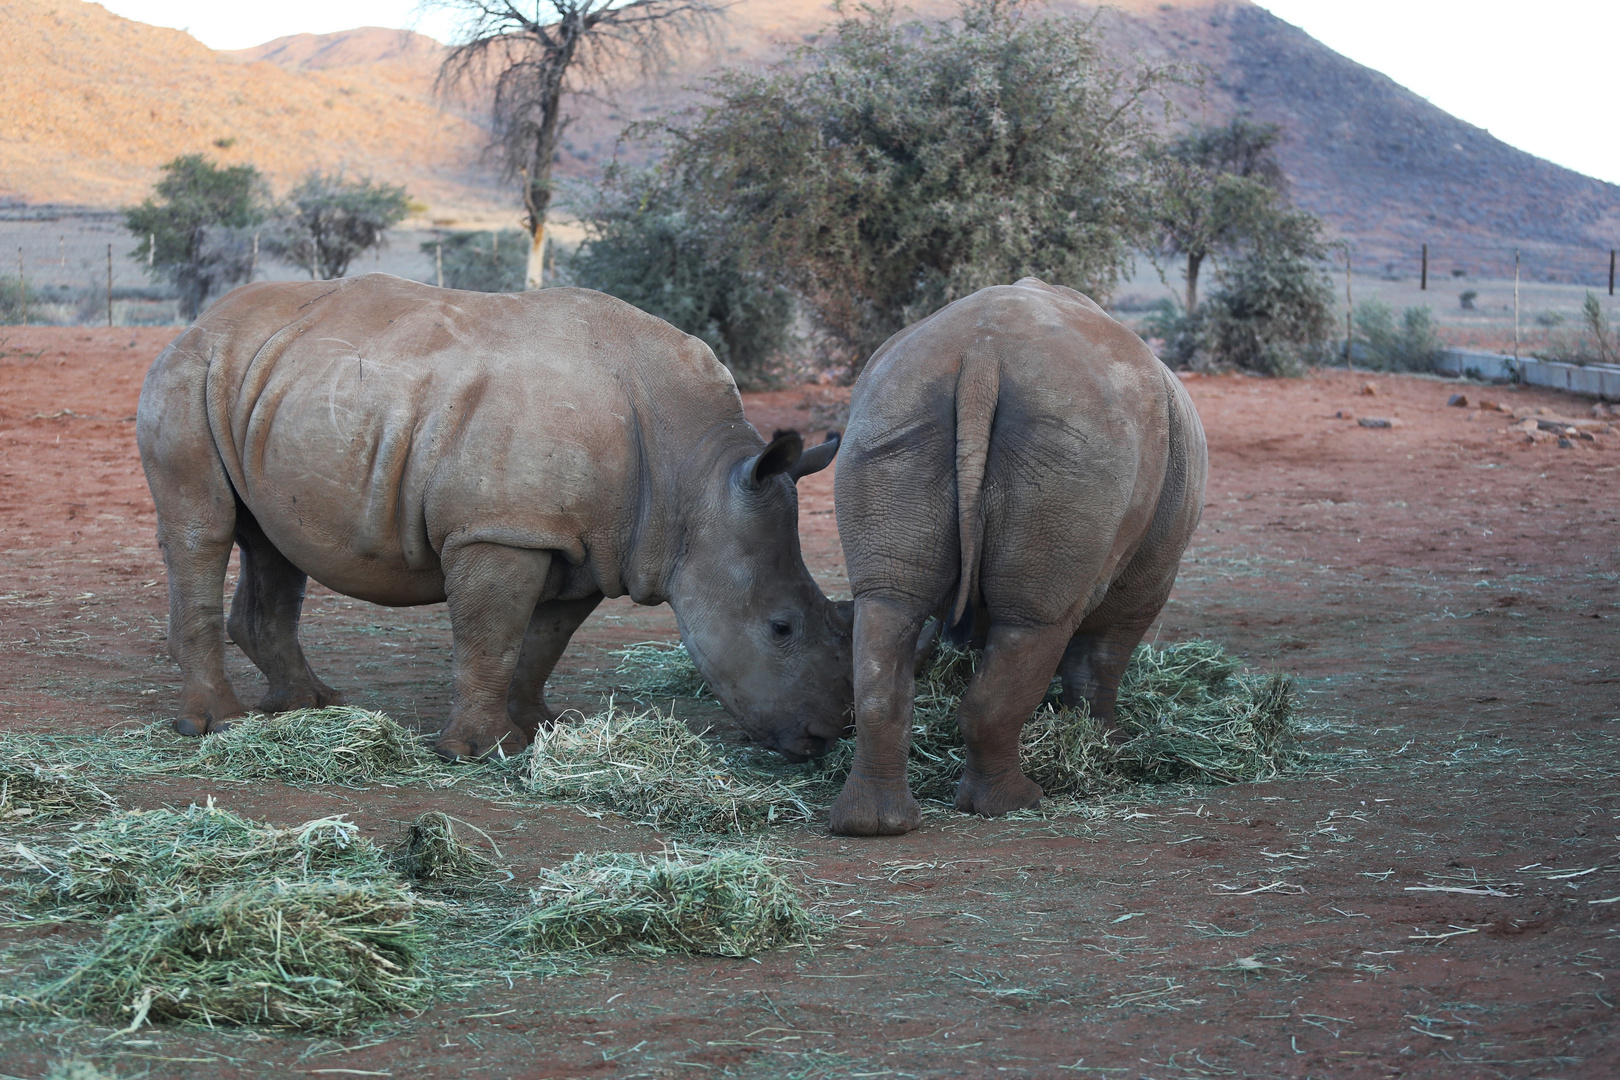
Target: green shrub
482, 261
1411, 346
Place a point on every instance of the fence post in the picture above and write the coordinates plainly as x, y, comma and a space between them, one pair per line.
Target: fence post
1423, 283
1515, 306
22, 287
1611, 271
438, 260
1349, 311
109, 284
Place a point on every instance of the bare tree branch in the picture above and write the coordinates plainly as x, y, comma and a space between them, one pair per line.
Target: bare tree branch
532, 57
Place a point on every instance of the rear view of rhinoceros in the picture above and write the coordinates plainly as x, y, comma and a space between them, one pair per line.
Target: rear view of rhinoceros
521, 456
1020, 456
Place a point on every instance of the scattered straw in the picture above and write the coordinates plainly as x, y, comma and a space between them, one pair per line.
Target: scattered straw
336, 745
730, 903
32, 792
157, 856
657, 670
77, 1068
432, 853
314, 956
648, 766
1187, 713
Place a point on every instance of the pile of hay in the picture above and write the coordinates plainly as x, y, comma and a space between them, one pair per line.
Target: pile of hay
649, 767
311, 956
729, 903
142, 857
433, 854
32, 792
656, 670
1187, 713
340, 744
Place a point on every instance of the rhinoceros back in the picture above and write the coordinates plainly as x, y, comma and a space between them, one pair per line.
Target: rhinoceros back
369, 423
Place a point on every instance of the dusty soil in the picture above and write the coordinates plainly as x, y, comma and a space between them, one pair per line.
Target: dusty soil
1447, 593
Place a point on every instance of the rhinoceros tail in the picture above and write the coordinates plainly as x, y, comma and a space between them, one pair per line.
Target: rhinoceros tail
978, 384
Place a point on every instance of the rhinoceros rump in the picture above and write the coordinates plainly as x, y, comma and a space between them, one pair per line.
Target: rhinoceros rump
1020, 456
521, 456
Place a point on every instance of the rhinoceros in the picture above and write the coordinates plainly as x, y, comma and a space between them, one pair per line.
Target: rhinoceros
520, 456
1019, 458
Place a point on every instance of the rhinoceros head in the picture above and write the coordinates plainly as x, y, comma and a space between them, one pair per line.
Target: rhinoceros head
771, 646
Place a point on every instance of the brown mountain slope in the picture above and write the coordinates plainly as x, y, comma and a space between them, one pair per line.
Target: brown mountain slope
95, 103
105, 100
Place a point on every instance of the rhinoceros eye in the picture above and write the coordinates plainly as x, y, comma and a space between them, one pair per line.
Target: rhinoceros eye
781, 628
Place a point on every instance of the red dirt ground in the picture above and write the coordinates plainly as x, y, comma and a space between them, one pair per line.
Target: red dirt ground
1447, 594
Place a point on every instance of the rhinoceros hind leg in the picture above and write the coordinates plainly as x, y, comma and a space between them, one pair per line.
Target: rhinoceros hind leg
1095, 661
550, 627
1011, 680
196, 514
264, 622
876, 800
493, 591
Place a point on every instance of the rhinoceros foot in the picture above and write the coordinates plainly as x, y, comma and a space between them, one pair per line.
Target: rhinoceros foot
869, 807
454, 743
992, 796
316, 696
203, 713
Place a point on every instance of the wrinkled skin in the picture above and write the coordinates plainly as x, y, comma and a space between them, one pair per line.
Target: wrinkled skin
521, 456
1021, 459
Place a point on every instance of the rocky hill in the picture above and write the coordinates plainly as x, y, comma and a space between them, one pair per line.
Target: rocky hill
101, 101
95, 103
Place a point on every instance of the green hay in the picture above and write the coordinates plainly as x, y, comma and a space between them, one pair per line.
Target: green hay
31, 792
1187, 714
337, 745
656, 670
141, 857
77, 1068
310, 956
432, 854
730, 903
649, 767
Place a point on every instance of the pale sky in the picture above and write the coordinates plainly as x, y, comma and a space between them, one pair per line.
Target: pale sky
1540, 76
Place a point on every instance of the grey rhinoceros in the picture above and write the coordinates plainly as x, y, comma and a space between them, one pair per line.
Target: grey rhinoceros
521, 456
1020, 457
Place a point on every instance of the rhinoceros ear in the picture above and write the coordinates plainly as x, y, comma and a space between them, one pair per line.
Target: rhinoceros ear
780, 456
814, 460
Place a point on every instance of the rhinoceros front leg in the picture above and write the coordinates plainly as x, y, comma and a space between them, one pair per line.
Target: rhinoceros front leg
1094, 663
550, 627
493, 591
1011, 680
264, 622
876, 800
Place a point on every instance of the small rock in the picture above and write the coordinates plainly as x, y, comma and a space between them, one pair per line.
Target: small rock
1544, 411
1563, 443
1458, 400
1588, 436
1370, 389
1344, 414
1376, 422
1493, 406
1476, 414
1528, 425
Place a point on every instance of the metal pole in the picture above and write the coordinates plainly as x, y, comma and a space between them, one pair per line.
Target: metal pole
151, 248
22, 287
1515, 304
1611, 271
1423, 284
1349, 312
438, 260
109, 284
